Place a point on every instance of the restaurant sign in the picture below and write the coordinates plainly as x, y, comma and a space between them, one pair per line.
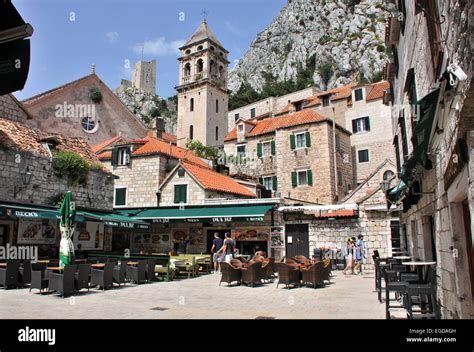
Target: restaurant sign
126, 225
221, 219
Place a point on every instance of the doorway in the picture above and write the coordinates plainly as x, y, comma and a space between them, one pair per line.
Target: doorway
4, 235
120, 241
297, 240
250, 247
210, 237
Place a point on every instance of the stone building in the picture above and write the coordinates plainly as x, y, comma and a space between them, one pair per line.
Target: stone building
432, 111
202, 90
32, 185
144, 76
72, 110
293, 155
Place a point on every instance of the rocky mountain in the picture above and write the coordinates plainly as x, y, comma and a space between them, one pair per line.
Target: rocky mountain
346, 38
146, 106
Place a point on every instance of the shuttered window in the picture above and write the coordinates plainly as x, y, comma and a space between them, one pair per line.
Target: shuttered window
120, 197
180, 194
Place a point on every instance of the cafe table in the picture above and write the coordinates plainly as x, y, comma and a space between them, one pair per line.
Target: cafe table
132, 263
54, 268
43, 261
3, 265
98, 265
419, 267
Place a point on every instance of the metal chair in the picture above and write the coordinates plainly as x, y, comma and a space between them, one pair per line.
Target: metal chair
9, 275
392, 285
39, 277
103, 278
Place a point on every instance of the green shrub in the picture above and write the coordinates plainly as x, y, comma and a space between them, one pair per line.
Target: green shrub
71, 166
95, 94
57, 199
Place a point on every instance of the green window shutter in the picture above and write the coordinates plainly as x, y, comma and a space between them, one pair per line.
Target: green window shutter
310, 177
354, 126
114, 157
367, 123
308, 139
129, 153
120, 196
273, 148
259, 150
180, 194
294, 180
292, 141
275, 183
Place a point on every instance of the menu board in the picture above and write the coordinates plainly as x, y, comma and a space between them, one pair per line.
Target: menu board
89, 234
38, 231
277, 237
253, 234
196, 241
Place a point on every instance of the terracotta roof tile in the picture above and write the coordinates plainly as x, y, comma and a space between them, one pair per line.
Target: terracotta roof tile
338, 214
215, 181
272, 124
167, 137
155, 146
18, 136
98, 147
378, 90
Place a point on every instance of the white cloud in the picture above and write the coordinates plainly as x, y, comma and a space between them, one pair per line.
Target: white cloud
112, 37
159, 47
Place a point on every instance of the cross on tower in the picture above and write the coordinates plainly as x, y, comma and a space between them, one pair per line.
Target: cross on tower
204, 14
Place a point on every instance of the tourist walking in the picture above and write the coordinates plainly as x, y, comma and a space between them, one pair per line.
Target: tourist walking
348, 253
359, 253
228, 248
216, 251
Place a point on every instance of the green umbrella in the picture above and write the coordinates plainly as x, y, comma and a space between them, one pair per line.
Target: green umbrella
66, 248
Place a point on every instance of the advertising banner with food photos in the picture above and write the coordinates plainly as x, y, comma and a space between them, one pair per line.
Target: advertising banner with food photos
251, 234
196, 240
277, 237
37, 231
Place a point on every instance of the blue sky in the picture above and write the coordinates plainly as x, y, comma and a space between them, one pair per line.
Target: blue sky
71, 35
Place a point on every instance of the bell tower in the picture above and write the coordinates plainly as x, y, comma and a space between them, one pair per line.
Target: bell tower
202, 91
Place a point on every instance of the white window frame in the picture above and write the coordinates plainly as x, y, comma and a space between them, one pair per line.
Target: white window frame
363, 95
296, 140
126, 196
271, 182
363, 124
298, 177
187, 193
237, 150
122, 156
241, 128
269, 143
254, 110
368, 153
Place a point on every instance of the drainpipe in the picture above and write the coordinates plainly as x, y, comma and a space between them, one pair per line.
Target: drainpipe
334, 152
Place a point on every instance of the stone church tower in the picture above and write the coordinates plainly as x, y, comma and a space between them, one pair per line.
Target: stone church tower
202, 91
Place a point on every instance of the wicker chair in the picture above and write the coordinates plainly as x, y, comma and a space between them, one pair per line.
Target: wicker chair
39, 277
230, 274
103, 278
253, 274
150, 270
82, 277
301, 259
314, 275
327, 270
237, 264
120, 273
63, 283
137, 274
9, 275
269, 269
287, 275
24, 273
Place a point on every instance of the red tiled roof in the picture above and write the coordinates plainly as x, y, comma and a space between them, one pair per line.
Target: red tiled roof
338, 214
154, 146
272, 124
378, 90
165, 136
17, 136
215, 181
336, 94
98, 147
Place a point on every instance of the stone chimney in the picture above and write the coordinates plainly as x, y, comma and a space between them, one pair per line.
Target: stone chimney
158, 127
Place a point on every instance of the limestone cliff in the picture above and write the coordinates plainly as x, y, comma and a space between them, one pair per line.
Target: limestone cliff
346, 37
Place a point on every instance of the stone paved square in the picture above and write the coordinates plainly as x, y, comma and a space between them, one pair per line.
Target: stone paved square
347, 297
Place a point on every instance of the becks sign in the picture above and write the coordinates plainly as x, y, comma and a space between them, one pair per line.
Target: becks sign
37, 335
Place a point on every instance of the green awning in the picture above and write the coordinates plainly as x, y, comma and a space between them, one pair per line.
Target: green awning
426, 110
206, 214
395, 193
29, 212
115, 219
407, 169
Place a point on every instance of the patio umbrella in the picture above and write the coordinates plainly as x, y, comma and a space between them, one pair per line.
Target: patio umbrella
66, 248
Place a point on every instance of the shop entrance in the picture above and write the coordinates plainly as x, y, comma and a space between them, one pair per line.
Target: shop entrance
297, 240
120, 241
210, 237
250, 247
3, 235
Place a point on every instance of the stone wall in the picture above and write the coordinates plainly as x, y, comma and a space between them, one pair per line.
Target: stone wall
10, 109
97, 193
142, 178
195, 193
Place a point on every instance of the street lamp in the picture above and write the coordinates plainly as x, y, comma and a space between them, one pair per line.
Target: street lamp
25, 180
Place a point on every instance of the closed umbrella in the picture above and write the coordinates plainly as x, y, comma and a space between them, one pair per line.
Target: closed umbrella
66, 248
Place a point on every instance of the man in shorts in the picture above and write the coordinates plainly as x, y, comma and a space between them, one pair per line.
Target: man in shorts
216, 249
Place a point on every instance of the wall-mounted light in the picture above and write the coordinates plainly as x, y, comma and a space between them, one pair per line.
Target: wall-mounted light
25, 177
